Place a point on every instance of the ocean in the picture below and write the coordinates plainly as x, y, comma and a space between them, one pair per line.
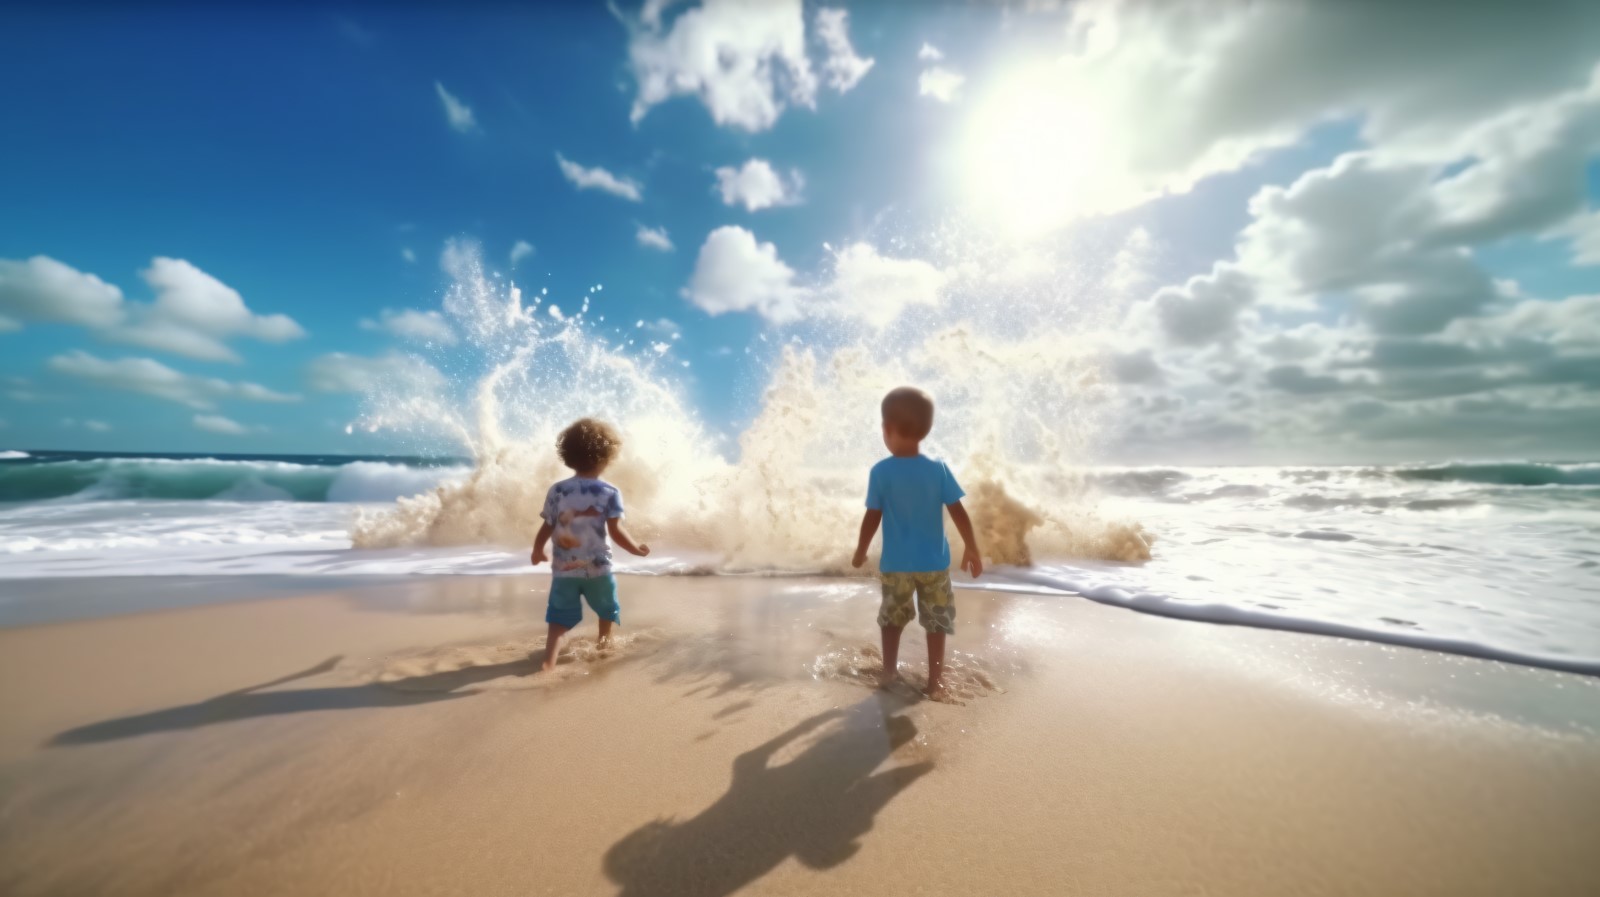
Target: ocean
1498, 560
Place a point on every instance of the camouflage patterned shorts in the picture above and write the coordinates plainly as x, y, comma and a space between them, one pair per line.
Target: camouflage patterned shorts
936, 603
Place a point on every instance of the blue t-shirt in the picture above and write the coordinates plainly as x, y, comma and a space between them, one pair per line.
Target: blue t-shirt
577, 509
912, 493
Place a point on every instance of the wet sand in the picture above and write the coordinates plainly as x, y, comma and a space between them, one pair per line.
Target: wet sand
394, 739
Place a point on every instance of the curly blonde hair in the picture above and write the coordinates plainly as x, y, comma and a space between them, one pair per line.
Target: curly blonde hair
587, 444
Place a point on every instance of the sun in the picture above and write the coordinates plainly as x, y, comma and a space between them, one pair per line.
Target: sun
1039, 153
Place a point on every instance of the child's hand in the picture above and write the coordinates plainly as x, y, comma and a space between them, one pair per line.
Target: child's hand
972, 562
539, 556
642, 551
860, 558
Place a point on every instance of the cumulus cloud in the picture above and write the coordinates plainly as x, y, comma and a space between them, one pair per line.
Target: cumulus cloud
408, 255
599, 179
457, 113
843, 69
216, 423
756, 185
940, 83
736, 272
150, 377
654, 238
744, 59
44, 290
194, 314
339, 372
412, 325
876, 288
929, 53
1177, 91
519, 251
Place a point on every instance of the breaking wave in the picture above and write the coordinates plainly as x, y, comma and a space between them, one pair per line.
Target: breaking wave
1013, 412
112, 479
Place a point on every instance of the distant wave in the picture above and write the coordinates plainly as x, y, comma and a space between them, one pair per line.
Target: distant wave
1508, 473
13, 455
110, 479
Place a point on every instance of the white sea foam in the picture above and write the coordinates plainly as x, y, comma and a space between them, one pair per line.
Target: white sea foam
13, 455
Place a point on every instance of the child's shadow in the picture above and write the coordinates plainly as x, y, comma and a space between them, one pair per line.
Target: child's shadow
256, 701
814, 808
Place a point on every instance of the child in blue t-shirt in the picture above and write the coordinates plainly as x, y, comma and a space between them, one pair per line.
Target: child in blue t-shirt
906, 492
578, 512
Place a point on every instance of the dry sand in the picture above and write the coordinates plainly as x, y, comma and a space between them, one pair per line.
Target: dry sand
395, 740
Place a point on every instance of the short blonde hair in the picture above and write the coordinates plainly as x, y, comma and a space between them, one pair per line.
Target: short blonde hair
909, 411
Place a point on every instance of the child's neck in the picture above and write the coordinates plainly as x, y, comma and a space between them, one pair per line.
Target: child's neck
912, 452
590, 474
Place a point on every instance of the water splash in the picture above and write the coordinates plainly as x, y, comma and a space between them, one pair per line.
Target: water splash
1015, 409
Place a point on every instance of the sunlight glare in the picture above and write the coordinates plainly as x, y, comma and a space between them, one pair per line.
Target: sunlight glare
1040, 153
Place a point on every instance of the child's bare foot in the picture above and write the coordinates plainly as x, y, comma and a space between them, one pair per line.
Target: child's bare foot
887, 678
547, 666
935, 691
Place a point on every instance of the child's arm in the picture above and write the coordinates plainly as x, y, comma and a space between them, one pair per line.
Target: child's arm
539, 541
971, 560
614, 525
869, 528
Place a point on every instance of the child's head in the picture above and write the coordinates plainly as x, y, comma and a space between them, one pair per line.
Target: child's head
907, 418
588, 445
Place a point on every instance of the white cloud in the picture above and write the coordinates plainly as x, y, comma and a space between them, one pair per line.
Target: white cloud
599, 179
216, 423
663, 327
150, 377
744, 59
941, 83
1150, 96
44, 290
734, 272
9, 325
876, 288
1585, 233
843, 69
338, 372
655, 238
519, 251
756, 185
408, 255
929, 53
457, 113
97, 426
413, 325
194, 314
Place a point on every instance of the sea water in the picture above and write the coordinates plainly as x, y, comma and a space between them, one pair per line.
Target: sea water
1499, 559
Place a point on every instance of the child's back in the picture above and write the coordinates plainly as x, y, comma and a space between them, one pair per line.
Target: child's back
908, 493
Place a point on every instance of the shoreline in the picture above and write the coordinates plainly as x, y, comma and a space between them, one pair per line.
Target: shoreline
49, 600
396, 740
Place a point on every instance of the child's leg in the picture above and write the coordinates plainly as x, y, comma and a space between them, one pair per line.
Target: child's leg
936, 607
601, 593
552, 641
891, 653
935, 663
564, 611
893, 615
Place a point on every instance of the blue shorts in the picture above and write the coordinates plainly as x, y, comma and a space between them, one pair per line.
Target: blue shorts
566, 610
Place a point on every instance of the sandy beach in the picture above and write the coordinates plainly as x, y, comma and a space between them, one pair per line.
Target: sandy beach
395, 740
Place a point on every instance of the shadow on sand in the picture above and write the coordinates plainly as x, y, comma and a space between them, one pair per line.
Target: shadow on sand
814, 808
256, 701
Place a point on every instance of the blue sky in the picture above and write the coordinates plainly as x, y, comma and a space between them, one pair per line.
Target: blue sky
307, 159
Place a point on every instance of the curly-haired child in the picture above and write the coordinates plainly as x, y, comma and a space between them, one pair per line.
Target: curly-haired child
579, 511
